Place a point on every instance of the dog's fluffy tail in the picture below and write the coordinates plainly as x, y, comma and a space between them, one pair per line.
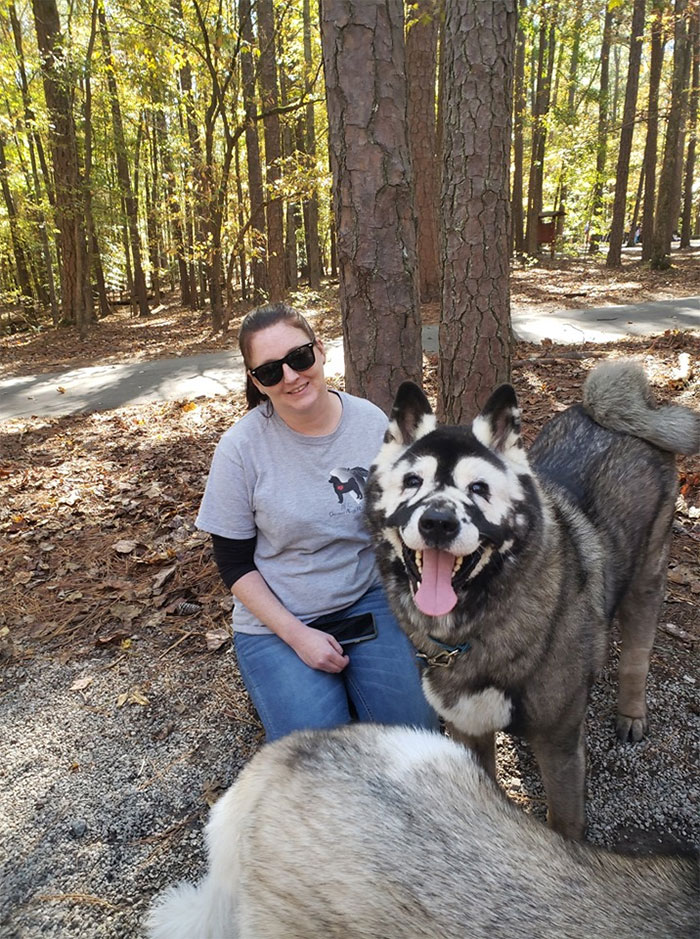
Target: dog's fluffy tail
187, 911
617, 395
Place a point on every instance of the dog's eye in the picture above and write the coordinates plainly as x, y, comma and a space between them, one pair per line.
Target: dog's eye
412, 481
479, 488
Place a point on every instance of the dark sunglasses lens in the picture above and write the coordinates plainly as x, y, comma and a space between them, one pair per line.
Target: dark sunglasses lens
299, 359
269, 374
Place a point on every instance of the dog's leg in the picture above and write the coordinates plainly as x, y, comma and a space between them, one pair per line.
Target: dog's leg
562, 764
638, 615
484, 747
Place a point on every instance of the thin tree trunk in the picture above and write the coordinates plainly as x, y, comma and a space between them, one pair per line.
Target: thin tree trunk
255, 180
93, 249
596, 223
421, 58
173, 209
545, 65
519, 105
32, 136
475, 334
631, 240
651, 144
310, 206
21, 268
69, 203
686, 224
617, 229
267, 77
665, 219
123, 170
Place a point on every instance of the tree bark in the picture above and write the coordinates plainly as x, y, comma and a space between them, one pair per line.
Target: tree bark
545, 65
130, 203
310, 206
686, 223
255, 178
421, 58
271, 123
666, 217
651, 144
21, 267
519, 105
68, 194
475, 337
364, 61
596, 225
617, 229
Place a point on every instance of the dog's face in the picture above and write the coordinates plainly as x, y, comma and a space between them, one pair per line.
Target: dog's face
448, 506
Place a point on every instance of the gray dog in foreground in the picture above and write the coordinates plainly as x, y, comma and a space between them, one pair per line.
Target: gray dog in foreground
371, 832
506, 568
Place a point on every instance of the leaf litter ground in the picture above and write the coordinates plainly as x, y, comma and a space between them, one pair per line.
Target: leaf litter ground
122, 710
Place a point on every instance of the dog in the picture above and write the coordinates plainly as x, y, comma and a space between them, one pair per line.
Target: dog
505, 568
346, 480
366, 831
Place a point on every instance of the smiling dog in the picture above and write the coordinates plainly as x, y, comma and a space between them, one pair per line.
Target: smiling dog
506, 569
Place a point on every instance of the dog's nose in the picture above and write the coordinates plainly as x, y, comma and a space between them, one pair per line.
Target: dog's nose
438, 526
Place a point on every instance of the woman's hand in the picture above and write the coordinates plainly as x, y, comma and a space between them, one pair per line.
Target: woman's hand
319, 650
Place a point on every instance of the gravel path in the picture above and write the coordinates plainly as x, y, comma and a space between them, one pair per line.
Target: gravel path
108, 763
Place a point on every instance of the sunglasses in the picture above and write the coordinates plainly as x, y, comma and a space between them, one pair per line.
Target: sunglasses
299, 359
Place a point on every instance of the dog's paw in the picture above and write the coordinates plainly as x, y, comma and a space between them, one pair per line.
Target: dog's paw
631, 729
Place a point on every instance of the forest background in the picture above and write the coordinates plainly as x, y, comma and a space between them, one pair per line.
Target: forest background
166, 166
186, 145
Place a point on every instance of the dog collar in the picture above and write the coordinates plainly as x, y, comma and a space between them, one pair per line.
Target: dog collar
445, 658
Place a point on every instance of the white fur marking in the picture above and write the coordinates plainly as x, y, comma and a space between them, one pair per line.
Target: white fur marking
474, 714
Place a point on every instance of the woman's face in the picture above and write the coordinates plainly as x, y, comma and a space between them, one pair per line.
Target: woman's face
296, 392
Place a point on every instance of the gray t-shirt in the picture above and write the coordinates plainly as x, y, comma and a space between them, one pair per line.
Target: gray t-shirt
303, 497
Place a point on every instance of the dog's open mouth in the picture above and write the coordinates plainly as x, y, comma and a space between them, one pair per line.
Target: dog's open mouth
434, 575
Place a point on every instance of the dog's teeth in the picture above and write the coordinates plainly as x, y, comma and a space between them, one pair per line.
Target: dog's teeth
419, 561
458, 564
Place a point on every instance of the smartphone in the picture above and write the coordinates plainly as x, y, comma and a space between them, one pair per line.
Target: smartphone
350, 630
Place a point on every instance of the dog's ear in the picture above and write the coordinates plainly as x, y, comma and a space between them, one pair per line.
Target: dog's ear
498, 425
411, 416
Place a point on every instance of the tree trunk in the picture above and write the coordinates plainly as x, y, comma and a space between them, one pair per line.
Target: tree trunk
651, 144
93, 249
421, 57
596, 224
617, 229
665, 218
173, 209
291, 260
130, 203
545, 65
252, 143
519, 105
69, 204
194, 229
686, 224
364, 61
310, 207
479, 45
271, 123
32, 136
21, 267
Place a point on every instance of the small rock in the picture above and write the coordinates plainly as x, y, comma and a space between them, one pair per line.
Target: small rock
78, 827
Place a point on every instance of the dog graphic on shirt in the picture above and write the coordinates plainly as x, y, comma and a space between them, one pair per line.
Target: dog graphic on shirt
349, 481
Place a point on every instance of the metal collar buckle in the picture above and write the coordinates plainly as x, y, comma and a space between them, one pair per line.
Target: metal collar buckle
445, 658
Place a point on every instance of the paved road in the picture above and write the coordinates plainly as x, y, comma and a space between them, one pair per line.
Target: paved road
104, 387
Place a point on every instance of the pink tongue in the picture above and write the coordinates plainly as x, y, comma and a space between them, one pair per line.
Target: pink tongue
435, 595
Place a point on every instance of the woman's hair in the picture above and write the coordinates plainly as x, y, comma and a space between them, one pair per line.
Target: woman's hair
258, 319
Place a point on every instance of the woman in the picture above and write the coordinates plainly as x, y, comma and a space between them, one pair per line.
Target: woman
283, 503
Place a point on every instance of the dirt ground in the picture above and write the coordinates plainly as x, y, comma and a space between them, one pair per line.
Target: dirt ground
101, 569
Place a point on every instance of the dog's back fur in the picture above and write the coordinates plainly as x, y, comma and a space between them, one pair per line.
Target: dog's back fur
367, 832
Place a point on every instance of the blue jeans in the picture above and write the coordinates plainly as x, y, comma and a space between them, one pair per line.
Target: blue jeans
380, 684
